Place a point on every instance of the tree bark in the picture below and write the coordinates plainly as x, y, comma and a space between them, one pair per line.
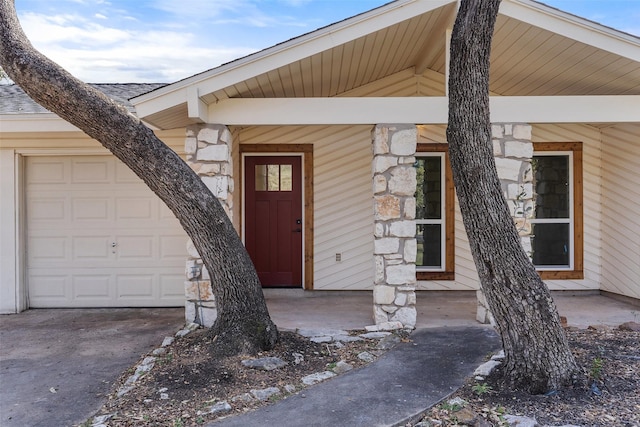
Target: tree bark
538, 358
243, 324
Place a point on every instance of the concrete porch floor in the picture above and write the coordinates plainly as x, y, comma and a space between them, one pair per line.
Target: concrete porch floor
295, 308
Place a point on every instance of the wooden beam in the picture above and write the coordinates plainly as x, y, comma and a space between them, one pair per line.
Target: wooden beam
196, 107
422, 110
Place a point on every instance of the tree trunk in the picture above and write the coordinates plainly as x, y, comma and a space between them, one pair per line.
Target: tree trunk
538, 358
243, 324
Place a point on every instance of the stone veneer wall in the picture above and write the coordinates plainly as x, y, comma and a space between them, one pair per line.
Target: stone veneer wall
208, 148
395, 246
513, 151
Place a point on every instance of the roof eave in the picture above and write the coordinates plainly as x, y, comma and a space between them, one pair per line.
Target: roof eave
283, 53
574, 27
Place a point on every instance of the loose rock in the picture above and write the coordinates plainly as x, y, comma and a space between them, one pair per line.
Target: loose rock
517, 421
342, 367
630, 326
264, 363
220, 407
317, 377
375, 335
388, 342
485, 369
265, 393
366, 357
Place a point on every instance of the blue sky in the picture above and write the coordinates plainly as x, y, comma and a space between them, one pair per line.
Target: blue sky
167, 40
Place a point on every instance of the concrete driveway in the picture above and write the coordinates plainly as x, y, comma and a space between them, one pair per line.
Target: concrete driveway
57, 365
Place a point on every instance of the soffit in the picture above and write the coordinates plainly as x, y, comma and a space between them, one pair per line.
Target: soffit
529, 61
530, 57
526, 61
352, 64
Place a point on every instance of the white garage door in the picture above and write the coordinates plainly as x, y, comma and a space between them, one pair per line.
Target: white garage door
98, 237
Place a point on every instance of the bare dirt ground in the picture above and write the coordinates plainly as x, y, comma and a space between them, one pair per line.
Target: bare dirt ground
186, 383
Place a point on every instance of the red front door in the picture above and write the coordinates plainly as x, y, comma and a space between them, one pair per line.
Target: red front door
273, 218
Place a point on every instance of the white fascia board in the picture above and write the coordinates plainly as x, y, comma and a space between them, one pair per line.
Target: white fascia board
421, 110
324, 111
566, 109
41, 122
284, 53
573, 27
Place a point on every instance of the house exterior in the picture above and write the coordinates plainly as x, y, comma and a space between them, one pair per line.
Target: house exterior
329, 154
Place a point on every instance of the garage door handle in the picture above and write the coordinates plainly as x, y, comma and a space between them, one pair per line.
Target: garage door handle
298, 230
114, 244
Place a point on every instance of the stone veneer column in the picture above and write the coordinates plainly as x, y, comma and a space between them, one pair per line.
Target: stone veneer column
208, 148
395, 247
513, 151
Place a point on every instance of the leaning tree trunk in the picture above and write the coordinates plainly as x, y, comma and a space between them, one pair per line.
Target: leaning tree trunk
538, 358
243, 324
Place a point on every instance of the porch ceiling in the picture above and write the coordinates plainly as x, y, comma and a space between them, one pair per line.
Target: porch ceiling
528, 59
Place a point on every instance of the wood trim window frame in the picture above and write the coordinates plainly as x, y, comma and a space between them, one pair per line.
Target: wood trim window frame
576, 269
307, 172
448, 272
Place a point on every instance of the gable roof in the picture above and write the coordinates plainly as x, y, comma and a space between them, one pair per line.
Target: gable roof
13, 100
537, 51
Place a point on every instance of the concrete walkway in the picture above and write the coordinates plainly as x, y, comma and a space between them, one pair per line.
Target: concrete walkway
405, 381
78, 353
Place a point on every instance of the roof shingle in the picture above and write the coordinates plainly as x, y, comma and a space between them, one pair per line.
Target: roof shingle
13, 100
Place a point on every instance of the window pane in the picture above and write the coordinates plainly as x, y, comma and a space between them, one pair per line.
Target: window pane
550, 244
429, 188
273, 177
261, 178
552, 186
429, 245
285, 177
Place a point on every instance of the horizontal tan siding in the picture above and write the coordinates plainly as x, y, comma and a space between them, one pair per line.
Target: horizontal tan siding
621, 210
343, 218
592, 153
174, 138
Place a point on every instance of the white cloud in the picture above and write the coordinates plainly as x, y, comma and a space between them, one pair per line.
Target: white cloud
101, 54
53, 29
100, 16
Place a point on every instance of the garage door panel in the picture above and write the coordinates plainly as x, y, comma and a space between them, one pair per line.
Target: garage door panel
77, 208
131, 208
138, 247
47, 209
135, 286
91, 171
93, 288
90, 209
47, 285
172, 249
91, 248
47, 248
48, 171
